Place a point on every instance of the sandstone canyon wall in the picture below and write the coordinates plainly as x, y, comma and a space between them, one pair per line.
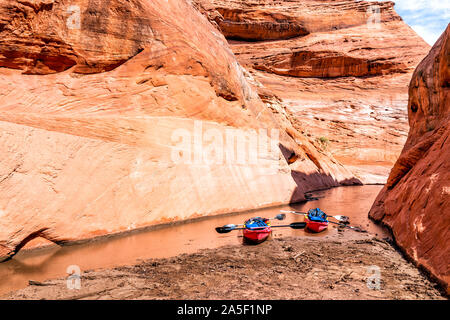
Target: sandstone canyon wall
415, 203
340, 68
95, 97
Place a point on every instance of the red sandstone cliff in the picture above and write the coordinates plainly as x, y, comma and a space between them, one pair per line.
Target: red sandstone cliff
341, 69
415, 203
92, 94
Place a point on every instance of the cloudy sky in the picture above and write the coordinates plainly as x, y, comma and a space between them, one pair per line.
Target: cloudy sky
428, 18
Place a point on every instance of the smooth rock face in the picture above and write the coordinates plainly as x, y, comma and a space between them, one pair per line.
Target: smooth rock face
343, 77
415, 203
114, 115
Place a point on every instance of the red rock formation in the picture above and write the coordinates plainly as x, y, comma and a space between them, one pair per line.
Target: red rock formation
326, 64
263, 25
343, 77
95, 97
415, 203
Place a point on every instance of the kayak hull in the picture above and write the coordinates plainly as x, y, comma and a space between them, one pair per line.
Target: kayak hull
316, 226
256, 236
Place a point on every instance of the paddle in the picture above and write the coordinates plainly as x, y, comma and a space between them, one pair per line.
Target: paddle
280, 216
231, 227
347, 226
293, 225
343, 219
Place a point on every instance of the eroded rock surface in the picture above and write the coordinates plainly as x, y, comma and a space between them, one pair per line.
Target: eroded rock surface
415, 203
342, 74
95, 98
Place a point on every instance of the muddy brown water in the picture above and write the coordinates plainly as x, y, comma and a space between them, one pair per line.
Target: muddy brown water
52, 262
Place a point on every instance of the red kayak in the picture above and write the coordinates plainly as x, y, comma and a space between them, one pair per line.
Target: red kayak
257, 236
316, 226
256, 230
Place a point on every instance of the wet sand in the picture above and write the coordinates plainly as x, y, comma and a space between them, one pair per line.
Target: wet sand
280, 268
192, 261
172, 240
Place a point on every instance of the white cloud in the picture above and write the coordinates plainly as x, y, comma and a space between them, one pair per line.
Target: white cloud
429, 35
428, 18
442, 7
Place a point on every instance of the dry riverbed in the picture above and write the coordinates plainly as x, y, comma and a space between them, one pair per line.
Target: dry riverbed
280, 268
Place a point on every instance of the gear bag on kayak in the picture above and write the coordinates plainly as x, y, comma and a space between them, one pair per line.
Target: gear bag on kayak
317, 215
256, 223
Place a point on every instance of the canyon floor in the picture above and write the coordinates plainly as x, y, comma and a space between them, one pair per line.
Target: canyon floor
281, 268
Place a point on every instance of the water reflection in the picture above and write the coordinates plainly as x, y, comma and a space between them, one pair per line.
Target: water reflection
354, 202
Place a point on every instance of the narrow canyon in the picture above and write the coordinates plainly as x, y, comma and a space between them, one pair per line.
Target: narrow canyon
113, 115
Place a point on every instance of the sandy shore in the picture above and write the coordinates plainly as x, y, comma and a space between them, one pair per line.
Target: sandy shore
280, 268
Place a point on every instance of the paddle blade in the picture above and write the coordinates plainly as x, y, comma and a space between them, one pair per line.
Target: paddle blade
343, 219
296, 212
223, 230
298, 225
227, 228
358, 229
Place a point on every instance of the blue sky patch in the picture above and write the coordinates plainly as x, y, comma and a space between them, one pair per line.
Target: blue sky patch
428, 18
